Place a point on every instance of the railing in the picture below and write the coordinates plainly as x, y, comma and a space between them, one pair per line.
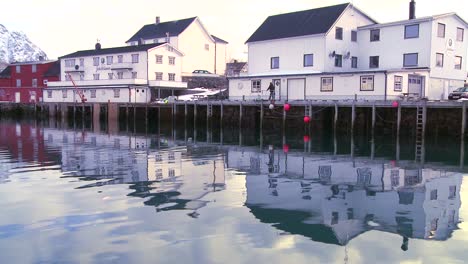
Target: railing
128, 81
326, 97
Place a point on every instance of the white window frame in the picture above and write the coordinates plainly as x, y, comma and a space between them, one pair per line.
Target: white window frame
256, 86
339, 33
326, 84
159, 76
34, 83
81, 62
274, 62
95, 61
134, 75
406, 31
34, 68
171, 77
96, 76
49, 94
110, 75
110, 60
398, 83
116, 93
93, 93
366, 83
135, 58
405, 58
159, 59
119, 75
171, 60
354, 58
18, 68
119, 58
310, 55
441, 30
441, 65
458, 66
18, 82
462, 36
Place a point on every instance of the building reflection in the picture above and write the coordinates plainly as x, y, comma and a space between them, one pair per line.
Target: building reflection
333, 199
158, 170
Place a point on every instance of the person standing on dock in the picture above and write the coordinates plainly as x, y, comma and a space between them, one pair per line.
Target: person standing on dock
271, 88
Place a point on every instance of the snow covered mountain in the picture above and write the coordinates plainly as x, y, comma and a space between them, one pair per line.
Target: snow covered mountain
16, 47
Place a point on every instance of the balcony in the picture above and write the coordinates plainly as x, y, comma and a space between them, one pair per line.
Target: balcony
102, 82
167, 84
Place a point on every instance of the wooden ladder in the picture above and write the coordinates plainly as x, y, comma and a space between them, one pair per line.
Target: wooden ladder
421, 112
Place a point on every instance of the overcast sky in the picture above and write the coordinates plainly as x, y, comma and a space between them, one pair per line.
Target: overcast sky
60, 27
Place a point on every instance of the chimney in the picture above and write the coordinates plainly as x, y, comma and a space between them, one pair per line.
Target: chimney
157, 20
412, 10
168, 38
97, 46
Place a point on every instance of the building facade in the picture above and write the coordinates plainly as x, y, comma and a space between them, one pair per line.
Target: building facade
130, 74
24, 82
338, 52
202, 51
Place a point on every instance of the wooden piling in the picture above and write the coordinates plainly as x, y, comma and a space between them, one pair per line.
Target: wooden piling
398, 119
463, 123
353, 115
373, 117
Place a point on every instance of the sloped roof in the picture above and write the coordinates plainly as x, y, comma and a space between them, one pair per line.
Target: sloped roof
83, 53
151, 31
53, 70
6, 73
301, 23
219, 40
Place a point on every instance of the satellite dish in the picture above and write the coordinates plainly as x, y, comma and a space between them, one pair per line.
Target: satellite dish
77, 67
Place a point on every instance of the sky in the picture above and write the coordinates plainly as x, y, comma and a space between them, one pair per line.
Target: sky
60, 27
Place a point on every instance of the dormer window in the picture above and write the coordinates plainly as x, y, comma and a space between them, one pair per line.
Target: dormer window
338, 33
375, 35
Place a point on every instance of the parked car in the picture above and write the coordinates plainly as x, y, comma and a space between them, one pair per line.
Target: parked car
459, 93
201, 71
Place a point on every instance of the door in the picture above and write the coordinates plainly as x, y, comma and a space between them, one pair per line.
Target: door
17, 97
296, 89
277, 83
415, 85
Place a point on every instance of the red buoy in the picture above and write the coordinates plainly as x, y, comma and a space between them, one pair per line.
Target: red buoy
306, 138
306, 119
395, 104
286, 107
285, 148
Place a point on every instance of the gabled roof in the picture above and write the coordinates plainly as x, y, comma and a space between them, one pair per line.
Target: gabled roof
219, 40
414, 21
301, 23
6, 73
54, 70
151, 31
125, 49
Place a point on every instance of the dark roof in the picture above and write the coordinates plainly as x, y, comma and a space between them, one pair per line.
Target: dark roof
151, 31
124, 49
235, 66
53, 70
301, 23
218, 39
6, 73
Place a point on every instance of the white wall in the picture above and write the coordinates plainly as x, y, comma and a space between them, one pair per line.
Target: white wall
192, 44
440, 45
165, 67
221, 58
290, 52
393, 45
349, 20
103, 95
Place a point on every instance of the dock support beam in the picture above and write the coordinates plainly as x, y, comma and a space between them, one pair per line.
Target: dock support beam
335, 120
463, 124
240, 115
221, 114
373, 117
353, 116
398, 120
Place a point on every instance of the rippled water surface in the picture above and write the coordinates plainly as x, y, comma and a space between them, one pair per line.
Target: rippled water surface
71, 195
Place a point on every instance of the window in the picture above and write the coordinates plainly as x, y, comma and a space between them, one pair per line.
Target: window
171, 156
207, 47
441, 30
171, 76
338, 60
96, 76
460, 33
116, 93
373, 61
326, 84
70, 63
375, 35
159, 76
134, 75
308, 60
256, 86
412, 31
34, 82
395, 177
81, 62
18, 82
119, 75
274, 62
354, 62
397, 83
171, 173
159, 174
338, 33
93, 93
159, 59
135, 58
458, 62
81, 76
111, 75
367, 83
120, 58
64, 93
49, 94
439, 60
18, 68
434, 195
171, 60
410, 60
110, 60
34, 68
354, 35
452, 192
96, 61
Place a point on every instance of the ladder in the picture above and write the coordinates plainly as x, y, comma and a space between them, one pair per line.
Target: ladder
420, 129
308, 110
209, 110
78, 91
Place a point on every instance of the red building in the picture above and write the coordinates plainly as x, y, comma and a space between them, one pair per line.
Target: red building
23, 82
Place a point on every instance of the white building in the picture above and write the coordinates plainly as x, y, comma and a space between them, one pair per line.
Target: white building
129, 74
202, 51
337, 52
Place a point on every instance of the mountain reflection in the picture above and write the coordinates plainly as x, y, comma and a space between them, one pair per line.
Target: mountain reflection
333, 199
